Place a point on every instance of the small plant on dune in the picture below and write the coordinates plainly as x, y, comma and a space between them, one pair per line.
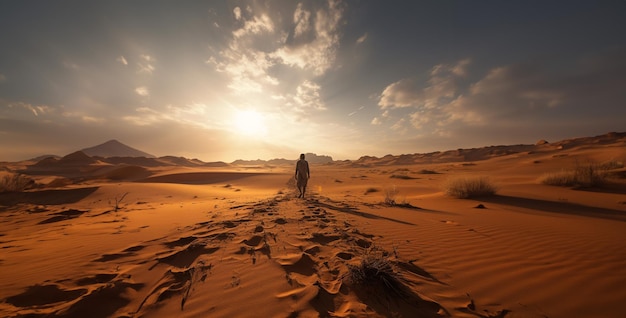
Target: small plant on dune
371, 190
613, 164
390, 195
424, 171
15, 182
402, 176
376, 271
582, 176
117, 206
469, 187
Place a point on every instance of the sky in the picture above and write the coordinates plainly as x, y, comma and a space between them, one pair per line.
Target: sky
227, 80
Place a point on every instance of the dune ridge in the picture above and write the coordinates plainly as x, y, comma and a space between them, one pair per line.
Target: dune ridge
372, 239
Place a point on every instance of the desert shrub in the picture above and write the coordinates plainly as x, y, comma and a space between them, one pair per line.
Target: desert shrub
376, 271
371, 190
402, 176
425, 171
390, 195
584, 176
469, 187
610, 165
14, 182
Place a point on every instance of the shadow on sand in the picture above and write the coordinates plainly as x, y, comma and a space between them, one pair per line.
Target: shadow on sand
341, 207
558, 207
200, 177
46, 197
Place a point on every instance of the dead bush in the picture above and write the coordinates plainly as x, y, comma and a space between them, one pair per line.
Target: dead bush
15, 182
469, 187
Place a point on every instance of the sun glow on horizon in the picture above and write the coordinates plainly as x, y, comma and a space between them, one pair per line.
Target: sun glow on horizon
250, 123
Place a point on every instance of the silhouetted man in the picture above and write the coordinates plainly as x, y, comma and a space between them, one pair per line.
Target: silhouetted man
302, 175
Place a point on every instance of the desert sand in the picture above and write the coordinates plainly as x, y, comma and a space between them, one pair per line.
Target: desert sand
119, 240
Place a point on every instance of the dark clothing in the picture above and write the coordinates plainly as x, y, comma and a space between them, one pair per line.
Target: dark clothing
302, 173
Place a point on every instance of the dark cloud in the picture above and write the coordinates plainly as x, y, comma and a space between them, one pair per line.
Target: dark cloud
538, 94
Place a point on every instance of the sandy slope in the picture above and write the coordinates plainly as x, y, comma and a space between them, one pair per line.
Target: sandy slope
224, 242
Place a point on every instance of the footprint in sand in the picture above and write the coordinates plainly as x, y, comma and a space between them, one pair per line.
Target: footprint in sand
39, 295
363, 243
323, 238
344, 255
96, 279
299, 263
125, 253
185, 257
280, 221
62, 216
180, 242
255, 240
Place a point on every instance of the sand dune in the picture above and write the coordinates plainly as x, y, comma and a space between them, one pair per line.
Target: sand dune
178, 241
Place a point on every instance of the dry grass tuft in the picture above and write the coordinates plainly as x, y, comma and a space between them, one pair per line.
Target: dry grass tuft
402, 176
390, 195
376, 271
15, 182
582, 176
469, 187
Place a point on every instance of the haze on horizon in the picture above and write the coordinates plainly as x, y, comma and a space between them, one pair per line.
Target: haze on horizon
227, 80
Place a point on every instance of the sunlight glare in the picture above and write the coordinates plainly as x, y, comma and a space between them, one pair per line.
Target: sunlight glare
250, 122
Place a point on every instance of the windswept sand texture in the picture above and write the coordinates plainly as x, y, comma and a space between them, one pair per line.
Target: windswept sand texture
110, 239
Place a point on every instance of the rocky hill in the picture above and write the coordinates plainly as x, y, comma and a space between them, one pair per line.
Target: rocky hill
114, 148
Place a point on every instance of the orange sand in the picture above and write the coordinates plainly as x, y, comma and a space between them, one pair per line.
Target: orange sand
235, 242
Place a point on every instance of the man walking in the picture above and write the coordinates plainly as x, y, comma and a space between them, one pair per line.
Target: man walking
302, 175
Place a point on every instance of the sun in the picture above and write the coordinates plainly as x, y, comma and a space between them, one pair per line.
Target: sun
250, 123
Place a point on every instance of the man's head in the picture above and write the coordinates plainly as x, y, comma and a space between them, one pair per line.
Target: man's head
302, 156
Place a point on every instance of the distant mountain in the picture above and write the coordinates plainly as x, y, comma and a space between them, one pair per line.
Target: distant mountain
114, 148
77, 158
39, 158
484, 153
310, 157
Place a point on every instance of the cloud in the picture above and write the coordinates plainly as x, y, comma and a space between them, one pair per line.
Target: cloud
306, 99
535, 93
318, 50
403, 93
142, 91
361, 39
247, 69
246, 64
400, 126
193, 114
302, 20
442, 85
70, 65
517, 95
264, 45
83, 117
256, 25
122, 60
145, 116
509, 93
376, 121
34, 109
356, 111
146, 64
